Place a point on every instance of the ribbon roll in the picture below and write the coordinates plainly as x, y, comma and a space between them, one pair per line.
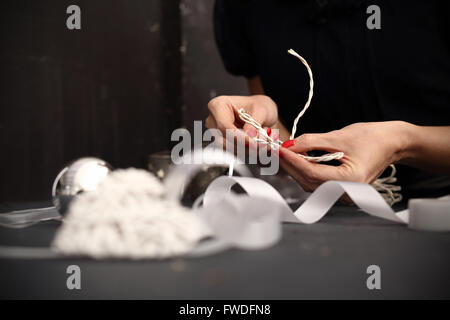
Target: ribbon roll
429, 214
249, 223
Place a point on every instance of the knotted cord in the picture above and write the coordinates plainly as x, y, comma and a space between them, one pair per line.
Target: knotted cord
267, 140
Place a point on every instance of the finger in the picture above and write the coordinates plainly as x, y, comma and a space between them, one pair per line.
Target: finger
293, 172
225, 124
223, 114
210, 123
308, 142
259, 114
237, 138
296, 173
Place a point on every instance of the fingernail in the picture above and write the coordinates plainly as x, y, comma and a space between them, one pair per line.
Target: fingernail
269, 131
288, 144
251, 132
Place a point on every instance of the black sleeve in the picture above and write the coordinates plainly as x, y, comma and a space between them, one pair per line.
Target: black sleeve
232, 38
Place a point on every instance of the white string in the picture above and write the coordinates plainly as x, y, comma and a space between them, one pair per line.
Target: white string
387, 188
267, 140
383, 185
311, 87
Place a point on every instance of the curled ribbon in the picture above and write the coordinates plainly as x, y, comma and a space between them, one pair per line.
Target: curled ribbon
423, 214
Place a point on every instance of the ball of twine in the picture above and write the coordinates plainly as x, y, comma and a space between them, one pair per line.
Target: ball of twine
127, 216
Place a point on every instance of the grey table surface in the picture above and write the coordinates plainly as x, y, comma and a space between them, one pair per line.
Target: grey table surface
326, 260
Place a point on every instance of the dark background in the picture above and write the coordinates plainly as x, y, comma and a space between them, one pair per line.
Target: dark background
115, 89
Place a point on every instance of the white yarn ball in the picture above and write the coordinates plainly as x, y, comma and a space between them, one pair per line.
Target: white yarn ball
128, 217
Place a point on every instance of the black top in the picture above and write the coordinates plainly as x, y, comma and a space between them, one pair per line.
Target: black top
399, 72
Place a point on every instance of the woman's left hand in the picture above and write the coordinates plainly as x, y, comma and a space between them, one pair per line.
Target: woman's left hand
369, 148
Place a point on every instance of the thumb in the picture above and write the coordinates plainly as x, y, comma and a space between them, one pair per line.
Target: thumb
315, 141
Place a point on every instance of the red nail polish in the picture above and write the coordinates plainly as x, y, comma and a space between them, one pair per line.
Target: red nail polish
288, 144
269, 131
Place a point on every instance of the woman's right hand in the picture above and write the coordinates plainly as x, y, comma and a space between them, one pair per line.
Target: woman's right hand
223, 113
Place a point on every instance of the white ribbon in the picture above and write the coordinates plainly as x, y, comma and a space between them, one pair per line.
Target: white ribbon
423, 214
430, 214
253, 221
29, 217
249, 223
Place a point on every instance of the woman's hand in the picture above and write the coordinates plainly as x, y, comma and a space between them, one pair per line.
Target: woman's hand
223, 113
368, 149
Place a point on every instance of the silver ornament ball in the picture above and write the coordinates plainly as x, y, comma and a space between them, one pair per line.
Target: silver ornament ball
79, 176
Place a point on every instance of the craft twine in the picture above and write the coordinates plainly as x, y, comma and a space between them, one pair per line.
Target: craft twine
384, 186
267, 140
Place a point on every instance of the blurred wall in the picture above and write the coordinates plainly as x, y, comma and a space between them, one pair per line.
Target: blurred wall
204, 76
115, 89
